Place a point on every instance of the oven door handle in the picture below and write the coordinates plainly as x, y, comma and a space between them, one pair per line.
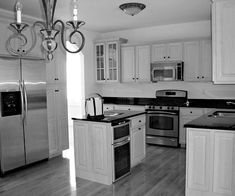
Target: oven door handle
118, 144
120, 124
162, 112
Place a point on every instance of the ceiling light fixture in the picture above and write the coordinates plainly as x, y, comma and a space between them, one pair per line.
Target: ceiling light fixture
132, 8
48, 31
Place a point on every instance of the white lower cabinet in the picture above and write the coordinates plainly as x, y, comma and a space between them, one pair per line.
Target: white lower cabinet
210, 162
57, 113
93, 151
138, 146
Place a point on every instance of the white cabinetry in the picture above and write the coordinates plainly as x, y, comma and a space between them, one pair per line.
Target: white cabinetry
107, 60
135, 63
210, 162
138, 146
187, 115
223, 28
57, 119
107, 107
93, 151
169, 51
197, 60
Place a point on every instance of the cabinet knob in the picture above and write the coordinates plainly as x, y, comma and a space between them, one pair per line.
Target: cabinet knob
164, 57
202, 76
168, 57
198, 77
133, 78
139, 120
191, 112
137, 78
139, 128
56, 90
129, 108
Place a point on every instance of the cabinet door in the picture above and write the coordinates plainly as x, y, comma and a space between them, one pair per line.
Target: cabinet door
143, 63
175, 51
206, 60
223, 28
159, 52
137, 145
128, 64
112, 62
81, 147
199, 160
52, 121
100, 62
224, 163
62, 117
100, 149
191, 61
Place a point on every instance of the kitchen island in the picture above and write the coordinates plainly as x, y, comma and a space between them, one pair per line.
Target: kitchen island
97, 157
210, 158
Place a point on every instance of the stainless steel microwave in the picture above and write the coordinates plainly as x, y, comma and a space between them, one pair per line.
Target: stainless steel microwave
167, 71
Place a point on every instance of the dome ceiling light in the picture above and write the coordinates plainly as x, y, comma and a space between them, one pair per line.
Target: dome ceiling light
132, 8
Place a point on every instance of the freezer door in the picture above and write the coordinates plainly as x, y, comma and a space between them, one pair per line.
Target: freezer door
11, 128
35, 123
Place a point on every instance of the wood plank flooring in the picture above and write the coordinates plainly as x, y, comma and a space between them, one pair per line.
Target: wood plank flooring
162, 173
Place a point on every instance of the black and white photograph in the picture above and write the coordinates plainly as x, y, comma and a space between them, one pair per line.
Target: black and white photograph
117, 98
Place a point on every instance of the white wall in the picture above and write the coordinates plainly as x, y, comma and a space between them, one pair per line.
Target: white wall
160, 33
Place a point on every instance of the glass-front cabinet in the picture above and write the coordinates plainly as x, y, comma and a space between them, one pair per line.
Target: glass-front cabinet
107, 60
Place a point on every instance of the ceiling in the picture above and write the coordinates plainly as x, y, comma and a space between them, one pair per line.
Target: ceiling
105, 15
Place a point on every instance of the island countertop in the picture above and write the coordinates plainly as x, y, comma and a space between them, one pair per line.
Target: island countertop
211, 121
113, 116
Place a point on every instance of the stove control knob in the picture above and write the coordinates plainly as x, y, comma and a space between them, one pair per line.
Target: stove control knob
172, 108
168, 107
160, 107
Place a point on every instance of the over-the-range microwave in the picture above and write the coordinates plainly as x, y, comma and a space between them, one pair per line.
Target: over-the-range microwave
167, 71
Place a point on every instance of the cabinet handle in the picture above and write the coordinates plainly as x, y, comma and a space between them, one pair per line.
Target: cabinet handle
133, 78
168, 57
139, 128
191, 112
198, 77
164, 57
137, 78
202, 76
139, 120
56, 90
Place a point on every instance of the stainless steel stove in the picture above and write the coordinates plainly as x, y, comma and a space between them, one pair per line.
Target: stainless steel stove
163, 118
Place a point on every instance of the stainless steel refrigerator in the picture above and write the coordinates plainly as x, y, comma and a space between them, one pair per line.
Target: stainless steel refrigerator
23, 112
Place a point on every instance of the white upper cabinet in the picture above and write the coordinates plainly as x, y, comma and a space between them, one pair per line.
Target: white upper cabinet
223, 28
197, 60
107, 60
170, 51
135, 63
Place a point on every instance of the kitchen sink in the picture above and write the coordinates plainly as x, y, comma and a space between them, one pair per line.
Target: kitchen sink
112, 114
230, 114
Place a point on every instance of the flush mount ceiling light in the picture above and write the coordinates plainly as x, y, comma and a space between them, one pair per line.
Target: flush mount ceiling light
132, 8
49, 31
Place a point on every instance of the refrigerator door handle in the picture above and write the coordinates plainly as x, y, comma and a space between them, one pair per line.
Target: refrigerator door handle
25, 102
22, 101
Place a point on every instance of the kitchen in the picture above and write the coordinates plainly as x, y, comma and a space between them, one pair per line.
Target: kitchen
185, 31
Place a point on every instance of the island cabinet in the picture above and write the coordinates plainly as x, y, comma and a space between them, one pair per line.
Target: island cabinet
223, 28
107, 60
93, 151
135, 61
167, 51
197, 61
138, 146
210, 162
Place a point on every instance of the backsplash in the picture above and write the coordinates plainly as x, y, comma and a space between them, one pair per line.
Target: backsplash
195, 90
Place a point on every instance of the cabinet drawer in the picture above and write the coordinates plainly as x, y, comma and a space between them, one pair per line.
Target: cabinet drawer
137, 121
191, 111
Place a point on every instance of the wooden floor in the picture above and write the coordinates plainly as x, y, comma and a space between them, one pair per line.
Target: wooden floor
162, 173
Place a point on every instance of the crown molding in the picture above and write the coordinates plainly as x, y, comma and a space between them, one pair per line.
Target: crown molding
9, 16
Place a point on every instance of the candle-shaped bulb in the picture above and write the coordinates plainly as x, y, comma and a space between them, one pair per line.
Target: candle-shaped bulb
75, 10
19, 7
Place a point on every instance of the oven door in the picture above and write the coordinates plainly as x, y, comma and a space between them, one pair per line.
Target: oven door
122, 160
161, 123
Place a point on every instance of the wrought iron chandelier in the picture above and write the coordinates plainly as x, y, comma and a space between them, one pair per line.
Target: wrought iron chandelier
48, 31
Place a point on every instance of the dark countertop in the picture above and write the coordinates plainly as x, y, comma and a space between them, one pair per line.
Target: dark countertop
197, 103
109, 116
209, 121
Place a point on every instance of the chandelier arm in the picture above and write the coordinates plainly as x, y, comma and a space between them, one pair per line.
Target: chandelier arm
70, 37
44, 3
53, 11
